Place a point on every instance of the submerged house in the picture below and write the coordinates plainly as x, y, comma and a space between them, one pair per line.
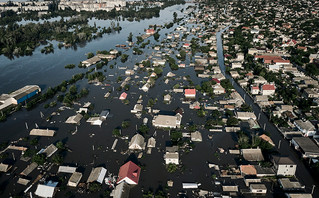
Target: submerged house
129, 173
137, 142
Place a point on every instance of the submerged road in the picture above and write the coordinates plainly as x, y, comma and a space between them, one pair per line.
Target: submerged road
285, 149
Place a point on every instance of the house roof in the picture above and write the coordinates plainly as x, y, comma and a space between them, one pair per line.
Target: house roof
129, 170
45, 190
268, 87
282, 160
122, 190
248, 170
123, 96
267, 139
252, 154
137, 140
97, 174
190, 91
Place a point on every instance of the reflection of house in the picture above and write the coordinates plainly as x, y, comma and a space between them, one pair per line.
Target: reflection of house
284, 166
137, 142
167, 121
129, 173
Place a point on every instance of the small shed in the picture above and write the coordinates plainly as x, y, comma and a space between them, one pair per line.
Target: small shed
196, 136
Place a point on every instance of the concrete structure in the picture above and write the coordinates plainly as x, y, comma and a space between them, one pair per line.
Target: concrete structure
306, 127
66, 169
29, 169
97, 174
49, 151
137, 142
284, 166
288, 185
129, 173
91, 61
167, 121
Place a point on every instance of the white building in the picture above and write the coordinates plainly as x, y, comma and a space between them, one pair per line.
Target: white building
167, 121
284, 166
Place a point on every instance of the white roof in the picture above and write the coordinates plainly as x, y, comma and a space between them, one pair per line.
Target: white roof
66, 169
44, 191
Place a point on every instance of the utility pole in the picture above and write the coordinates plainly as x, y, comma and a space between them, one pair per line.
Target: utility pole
265, 126
313, 189
279, 144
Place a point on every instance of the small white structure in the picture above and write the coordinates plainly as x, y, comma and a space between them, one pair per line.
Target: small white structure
66, 169
146, 87
76, 119
42, 132
190, 185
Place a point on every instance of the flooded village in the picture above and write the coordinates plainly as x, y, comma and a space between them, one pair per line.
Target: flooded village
172, 111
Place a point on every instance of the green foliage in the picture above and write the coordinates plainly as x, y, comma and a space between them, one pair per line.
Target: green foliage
245, 107
125, 124
124, 58
151, 102
143, 129
69, 66
176, 136
171, 168
34, 142
156, 36
39, 158
95, 187
57, 159
226, 84
201, 113
130, 37
116, 132
158, 70
60, 145
90, 55
232, 121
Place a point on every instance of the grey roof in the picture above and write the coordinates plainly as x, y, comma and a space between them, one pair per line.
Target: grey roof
151, 142
4, 167
171, 156
29, 169
50, 150
305, 125
75, 179
24, 91
252, 154
258, 186
172, 149
97, 174
66, 169
42, 132
23, 181
122, 190
286, 184
264, 171
196, 136
74, 119
45, 191
279, 160
137, 142
306, 144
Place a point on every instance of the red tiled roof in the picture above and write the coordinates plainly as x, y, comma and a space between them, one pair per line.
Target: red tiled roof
190, 91
216, 80
123, 96
268, 87
248, 170
281, 61
129, 170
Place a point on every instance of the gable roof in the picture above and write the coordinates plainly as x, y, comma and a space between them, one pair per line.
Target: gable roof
129, 170
190, 91
268, 87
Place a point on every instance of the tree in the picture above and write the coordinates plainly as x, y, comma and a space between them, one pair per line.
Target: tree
90, 55
171, 168
73, 90
125, 124
39, 158
158, 70
116, 132
95, 187
60, 145
232, 121
176, 136
57, 159
130, 37
143, 129
156, 36
245, 107
175, 16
